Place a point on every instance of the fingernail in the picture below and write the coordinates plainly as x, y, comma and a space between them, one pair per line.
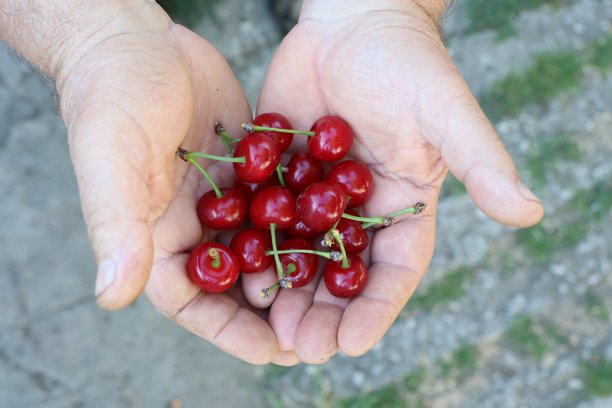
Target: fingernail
106, 276
526, 193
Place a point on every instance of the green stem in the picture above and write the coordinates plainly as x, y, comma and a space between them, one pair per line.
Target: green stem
225, 138
279, 173
336, 235
214, 254
373, 220
329, 255
251, 128
241, 160
279, 267
390, 219
218, 192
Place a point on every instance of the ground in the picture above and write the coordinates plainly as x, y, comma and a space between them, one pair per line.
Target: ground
503, 318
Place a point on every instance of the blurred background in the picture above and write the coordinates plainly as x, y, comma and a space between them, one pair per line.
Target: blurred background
504, 318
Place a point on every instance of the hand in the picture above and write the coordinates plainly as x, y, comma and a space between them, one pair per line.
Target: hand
383, 68
129, 100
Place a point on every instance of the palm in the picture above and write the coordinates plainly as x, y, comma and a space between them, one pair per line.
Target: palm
183, 87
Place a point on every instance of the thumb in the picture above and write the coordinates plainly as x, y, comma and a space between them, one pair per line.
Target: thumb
474, 154
114, 200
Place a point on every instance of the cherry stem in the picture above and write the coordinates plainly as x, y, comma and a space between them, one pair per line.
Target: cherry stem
267, 292
227, 139
187, 156
387, 220
251, 128
282, 279
332, 255
214, 254
279, 173
336, 234
241, 160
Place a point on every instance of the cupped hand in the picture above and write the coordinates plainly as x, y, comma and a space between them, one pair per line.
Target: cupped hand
382, 67
129, 100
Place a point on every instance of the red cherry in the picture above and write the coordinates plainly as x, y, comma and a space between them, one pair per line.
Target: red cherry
273, 205
301, 230
321, 205
353, 236
356, 180
250, 189
261, 155
332, 139
275, 120
302, 170
213, 267
345, 282
250, 246
227, 212
302, 268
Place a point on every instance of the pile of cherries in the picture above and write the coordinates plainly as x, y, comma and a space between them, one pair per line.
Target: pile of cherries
312, 199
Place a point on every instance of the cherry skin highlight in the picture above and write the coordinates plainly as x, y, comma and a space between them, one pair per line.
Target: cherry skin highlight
302, 170
356, 180
345, 282
261, 155
213, 267
278, 121
250, 246
332, 139
273, 205
227, 212
301, 230
321, 205
353, 236
304, 267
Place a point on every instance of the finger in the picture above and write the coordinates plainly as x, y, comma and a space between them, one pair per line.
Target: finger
400, 256
286, 358
254, 283
474, 153
111, 174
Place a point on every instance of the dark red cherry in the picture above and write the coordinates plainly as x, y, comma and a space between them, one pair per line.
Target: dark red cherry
250, 189
302, 170
273, 205
276, 120
227, 212
301, 230
321, 205
300, 268
250, 246
353, 236
213, 267
332, 139
345, 282
356, 179
261, 154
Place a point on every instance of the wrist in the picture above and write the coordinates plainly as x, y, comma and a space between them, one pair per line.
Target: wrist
54, 34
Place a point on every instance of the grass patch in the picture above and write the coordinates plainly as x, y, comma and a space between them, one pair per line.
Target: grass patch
596, 307
499, 15
550, 75
601, 53
542, 156
449, 288
586, 208
188, 12
413, 380
462, 363
388, 396
531, 338
596, 377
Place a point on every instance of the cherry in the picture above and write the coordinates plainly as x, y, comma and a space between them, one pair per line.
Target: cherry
345, 281
225, 212
301, 230
275, 120
302, 170
250, 246
261, 156
332, 138
250, 189
356, 180
321, 205
213, 267
273, 205
352, 234
299, 268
